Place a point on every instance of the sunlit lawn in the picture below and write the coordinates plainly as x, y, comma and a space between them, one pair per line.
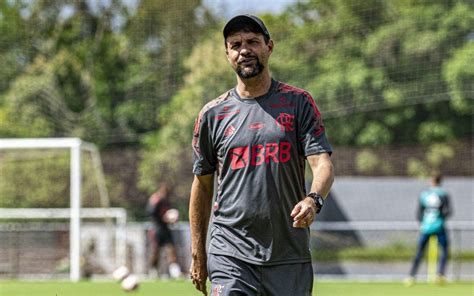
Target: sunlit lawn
185, 288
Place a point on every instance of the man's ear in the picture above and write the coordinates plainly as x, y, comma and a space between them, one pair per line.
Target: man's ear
270, 45
227, 54
226, 49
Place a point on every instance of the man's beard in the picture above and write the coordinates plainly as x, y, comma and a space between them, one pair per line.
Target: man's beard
256, 69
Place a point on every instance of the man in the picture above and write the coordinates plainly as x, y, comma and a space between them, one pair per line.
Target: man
255, 138
433, 209
160, 236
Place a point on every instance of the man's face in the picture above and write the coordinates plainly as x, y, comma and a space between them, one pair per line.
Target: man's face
247, 53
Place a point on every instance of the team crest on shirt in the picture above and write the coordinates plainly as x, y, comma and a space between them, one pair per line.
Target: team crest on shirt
217, 290
286, 122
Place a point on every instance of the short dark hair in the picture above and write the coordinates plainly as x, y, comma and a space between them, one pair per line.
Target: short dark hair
436, 176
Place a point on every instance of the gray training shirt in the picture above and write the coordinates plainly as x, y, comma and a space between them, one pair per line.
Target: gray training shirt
258, 148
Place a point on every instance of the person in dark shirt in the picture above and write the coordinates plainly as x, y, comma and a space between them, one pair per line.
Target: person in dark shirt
255, 140
162, 215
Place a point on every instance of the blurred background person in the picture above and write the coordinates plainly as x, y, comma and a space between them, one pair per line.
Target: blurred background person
160, 236
90, 262
433, 209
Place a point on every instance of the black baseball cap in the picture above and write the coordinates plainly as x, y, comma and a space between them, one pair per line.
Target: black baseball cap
238, 20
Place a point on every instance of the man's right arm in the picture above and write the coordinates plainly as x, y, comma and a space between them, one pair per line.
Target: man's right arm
199, 214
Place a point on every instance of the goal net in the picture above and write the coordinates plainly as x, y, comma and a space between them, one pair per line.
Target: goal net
52, 193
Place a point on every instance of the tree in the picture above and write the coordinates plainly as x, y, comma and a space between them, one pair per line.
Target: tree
91, 69
383, 73
383, 67
55, 93
375, 55
167, 155
95, 69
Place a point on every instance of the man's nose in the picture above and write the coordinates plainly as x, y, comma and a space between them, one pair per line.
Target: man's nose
244, 50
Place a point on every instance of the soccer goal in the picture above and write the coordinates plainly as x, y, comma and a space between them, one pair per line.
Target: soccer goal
60, 177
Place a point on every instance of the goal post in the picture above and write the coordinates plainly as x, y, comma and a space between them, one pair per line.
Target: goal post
119, 214
75, 146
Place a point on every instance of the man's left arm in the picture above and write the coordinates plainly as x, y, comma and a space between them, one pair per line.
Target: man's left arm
446, 209
323, 176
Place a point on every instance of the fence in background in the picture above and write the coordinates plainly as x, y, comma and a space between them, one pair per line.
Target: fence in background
345, 250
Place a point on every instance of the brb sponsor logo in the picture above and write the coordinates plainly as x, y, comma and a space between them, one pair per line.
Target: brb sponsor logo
259, 154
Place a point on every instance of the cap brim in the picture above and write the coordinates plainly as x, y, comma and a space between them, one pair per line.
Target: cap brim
239, 19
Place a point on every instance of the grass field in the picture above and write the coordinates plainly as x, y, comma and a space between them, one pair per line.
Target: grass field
184, 288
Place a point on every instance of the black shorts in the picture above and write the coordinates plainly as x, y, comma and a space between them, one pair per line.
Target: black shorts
163, 236
231, 277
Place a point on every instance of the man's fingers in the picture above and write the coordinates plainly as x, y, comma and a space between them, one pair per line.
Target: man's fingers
200, 286
199, 280
197, 284
301, 224
296, 210
303, 215
305, 212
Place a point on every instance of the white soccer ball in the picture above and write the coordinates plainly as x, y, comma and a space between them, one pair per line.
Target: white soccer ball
120, 273
175, 270
172, 216
130, 283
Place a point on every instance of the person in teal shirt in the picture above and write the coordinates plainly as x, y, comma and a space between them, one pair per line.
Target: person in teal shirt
433, 209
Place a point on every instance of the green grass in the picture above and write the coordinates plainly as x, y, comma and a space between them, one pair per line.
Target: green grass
395, 252
185, 288
392, 289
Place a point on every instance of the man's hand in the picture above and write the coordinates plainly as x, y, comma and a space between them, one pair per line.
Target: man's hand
303, 213
198, 272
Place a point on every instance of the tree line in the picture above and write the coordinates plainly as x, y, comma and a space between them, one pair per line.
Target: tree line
136, 75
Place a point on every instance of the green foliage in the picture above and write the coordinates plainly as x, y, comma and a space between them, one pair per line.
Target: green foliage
367, 161
41, 179
374, 134
377, 70
37, 100
382, 73
417, 168
168, 152
434, 131
437, 154
84, 74
381, 55
459, 78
